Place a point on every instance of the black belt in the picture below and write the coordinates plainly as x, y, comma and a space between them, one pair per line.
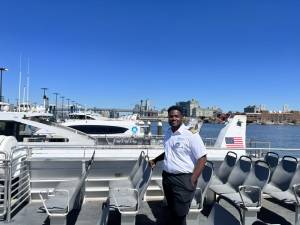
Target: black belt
175, 174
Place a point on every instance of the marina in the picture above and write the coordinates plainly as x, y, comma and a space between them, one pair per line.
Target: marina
85, 117
53, 174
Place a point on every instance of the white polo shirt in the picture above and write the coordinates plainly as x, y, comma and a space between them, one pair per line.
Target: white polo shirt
182, 150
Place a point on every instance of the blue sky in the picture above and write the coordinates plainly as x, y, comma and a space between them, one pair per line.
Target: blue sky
109, 53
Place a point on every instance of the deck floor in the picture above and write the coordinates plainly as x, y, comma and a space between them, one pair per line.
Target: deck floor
152, 213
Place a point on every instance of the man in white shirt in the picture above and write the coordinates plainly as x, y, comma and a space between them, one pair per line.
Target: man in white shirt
184, 159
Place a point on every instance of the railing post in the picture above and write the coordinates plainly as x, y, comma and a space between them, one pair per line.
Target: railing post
8, 179
5, 168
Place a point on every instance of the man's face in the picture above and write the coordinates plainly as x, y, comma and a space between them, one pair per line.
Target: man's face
175, 118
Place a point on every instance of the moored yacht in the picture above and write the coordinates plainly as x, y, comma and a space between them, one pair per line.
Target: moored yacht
97, 126
30, 127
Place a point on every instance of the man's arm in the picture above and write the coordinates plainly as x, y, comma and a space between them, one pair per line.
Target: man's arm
198, 169
158, 158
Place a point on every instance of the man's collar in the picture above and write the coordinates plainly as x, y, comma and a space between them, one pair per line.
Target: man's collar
179, 131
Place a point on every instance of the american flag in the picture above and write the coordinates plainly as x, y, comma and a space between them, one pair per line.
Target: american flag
234, 142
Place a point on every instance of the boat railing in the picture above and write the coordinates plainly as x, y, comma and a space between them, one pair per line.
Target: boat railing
84, 151
257, 144
3, 183
250, 143
16, 181
130, 140
209, 141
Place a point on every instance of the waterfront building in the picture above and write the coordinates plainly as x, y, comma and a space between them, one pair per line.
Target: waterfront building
255, 109
292, 117
192, 108
145, 109
188, 107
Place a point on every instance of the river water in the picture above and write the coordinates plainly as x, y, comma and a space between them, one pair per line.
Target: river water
279, 136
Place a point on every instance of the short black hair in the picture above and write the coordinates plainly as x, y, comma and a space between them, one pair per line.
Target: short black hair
175, 107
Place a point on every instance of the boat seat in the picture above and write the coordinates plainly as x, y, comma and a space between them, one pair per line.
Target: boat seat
219, 215
132, 180
202, 186
127, 200
204, 180
272, 158
67, 195
291, 195
124, 199
225, 169
236, 178
248, 197
282, 175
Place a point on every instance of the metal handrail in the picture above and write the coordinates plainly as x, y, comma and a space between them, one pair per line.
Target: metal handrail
16, 180
4, 193
86, 150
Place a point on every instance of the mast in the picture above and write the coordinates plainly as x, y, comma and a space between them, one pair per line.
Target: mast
20, 80
27, 97
24, 93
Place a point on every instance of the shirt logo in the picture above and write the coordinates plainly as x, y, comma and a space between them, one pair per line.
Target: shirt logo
177, 145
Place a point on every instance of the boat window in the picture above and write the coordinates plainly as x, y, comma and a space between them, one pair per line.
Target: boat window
80, 117
96, 129
8, 128
25, 129
16, 129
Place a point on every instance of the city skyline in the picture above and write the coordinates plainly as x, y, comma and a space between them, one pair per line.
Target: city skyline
113, 53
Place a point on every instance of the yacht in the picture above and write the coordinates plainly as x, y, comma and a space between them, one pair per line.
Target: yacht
31, 127
97, 126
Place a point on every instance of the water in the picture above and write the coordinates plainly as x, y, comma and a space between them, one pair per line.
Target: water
279, 136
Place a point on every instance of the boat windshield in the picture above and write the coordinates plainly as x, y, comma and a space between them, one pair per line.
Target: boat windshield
17, 129
99, 129
80, 117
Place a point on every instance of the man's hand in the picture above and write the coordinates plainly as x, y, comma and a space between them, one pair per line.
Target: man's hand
198, 170
152, 163
194, 180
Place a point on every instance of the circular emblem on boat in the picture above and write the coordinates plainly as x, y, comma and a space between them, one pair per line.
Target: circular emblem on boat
134, 129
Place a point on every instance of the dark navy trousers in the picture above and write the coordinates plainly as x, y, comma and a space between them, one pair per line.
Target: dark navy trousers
179, 192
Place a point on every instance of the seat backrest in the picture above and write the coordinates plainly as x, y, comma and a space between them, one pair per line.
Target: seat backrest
136, 165
226, 166
203, 183
284, 172
295, 179
272, 159
139, 173
143, 185
218, 215
239, 172
259, 174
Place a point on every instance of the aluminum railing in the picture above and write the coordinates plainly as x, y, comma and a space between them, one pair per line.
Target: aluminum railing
130, 140
86, 150
3, 183
15, 183
249, 143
